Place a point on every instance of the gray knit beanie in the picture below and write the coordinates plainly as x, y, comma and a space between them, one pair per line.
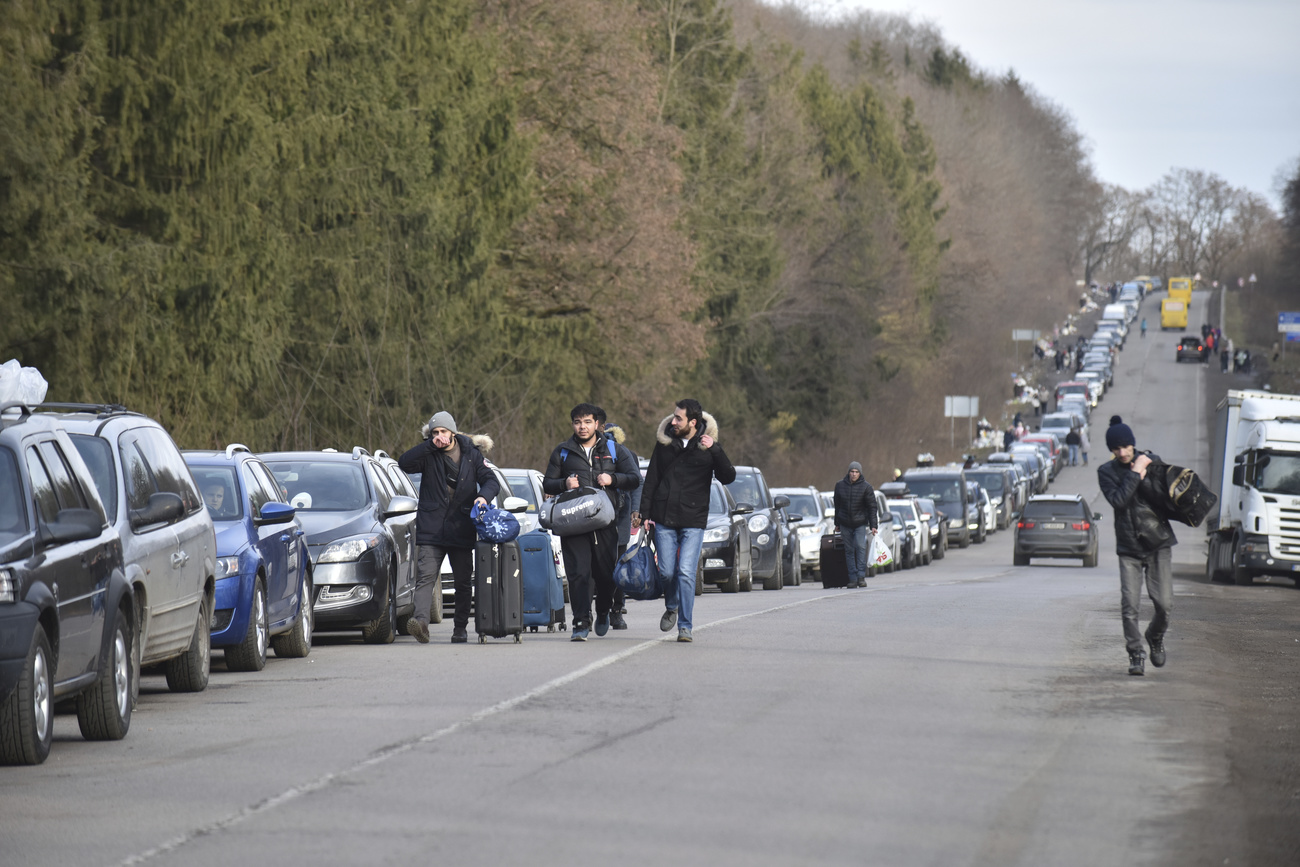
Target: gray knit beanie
854, 465
442, 419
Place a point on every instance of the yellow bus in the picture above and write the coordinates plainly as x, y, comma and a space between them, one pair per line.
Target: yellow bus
1181, 288
1173, 312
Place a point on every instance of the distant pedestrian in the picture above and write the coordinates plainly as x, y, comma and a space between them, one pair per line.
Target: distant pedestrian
1008, 437
587, 459
1083, 444
454, 478
1072, 439
675, 498
1144, 326
1143, 541
856, 519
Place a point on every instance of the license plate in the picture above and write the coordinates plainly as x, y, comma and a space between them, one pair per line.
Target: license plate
1053, 526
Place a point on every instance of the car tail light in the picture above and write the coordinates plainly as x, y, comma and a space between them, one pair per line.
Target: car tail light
1024, 525
1085, 525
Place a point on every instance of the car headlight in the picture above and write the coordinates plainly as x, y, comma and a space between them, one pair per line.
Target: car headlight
806, 531
7, 589
997, 501
759, 523
348, 550
717, 534
954, 523
227, 566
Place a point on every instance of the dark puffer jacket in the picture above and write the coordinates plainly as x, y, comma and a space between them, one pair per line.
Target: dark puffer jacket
679, 478
1139, 527
441, 520
855, 503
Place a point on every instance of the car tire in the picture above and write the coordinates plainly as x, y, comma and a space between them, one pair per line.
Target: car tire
383, 629
1018, 559
435, 609
104, 710
1090, 559
189, 671
964, 542
250, 653
927, 558
939, 550
732, 584
776, 580
27, 715
296, 643
699, 577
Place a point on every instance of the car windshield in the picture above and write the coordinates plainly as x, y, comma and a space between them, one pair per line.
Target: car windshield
1277, 473
804, 504
1061, 422
717, 501
939, 490
905, 512
1043, 510
98, 455
13, 516
521, 487
322, 486
217, 485
745, 489
991, 479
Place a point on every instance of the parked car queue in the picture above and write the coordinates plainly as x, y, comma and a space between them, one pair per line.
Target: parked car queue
121, 554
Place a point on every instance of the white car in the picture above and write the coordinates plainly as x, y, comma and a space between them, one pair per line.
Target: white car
807, 503
916, 530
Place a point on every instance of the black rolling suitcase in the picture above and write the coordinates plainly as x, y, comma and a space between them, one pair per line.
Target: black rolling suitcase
498, 590
834, 568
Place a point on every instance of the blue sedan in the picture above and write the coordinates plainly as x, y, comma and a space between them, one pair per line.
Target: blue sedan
264, 582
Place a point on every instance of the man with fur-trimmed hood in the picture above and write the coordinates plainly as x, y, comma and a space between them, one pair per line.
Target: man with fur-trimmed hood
454, 477
675, 498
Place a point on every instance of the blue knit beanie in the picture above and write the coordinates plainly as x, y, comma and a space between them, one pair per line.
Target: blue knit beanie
1119, 434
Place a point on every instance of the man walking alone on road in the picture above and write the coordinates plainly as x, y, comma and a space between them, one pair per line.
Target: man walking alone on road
455, 477
588, 459
1143, 540
855, 514
675, 498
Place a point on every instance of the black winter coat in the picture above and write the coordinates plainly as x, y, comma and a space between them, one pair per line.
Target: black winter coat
1140, 528
679, 478
442, 521
568, 459
855, 503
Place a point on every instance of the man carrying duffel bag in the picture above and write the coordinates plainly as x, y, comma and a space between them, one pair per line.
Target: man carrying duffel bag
588, 461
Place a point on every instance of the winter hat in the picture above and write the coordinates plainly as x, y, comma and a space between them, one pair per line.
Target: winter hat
443, 419
1119, 434
855, 466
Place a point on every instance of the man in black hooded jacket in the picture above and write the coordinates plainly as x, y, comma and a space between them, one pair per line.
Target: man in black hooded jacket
454, 477
855, 517
1143, 540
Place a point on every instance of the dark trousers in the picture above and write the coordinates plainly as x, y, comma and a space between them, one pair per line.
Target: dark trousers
428, 581
589, 563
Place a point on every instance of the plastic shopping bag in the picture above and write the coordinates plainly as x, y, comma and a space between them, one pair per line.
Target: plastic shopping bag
24, 385
880, 555
637, 573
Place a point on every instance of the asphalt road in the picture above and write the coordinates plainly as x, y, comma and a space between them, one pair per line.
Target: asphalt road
968, 713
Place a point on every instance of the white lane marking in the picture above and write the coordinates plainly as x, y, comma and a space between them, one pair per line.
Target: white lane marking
386, 753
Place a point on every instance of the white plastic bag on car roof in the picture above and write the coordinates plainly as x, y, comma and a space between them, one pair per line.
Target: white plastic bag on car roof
23, 384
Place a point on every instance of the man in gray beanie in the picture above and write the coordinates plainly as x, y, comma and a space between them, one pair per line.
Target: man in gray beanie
454, 477
1143, 540
855, 514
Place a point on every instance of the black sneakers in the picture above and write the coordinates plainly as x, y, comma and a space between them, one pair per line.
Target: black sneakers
459, 636
1157, 650
616, 620
1136, 664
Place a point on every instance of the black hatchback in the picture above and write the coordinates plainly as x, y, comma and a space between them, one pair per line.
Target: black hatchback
1056, 525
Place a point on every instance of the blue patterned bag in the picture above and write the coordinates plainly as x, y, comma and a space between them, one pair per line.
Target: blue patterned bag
493, 524
637, 573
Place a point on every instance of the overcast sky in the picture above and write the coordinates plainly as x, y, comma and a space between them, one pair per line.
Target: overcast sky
1152, 84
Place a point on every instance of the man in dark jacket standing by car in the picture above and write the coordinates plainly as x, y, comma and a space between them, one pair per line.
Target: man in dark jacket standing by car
454, 477
675, 498
589, 459
855, 515
1143, 540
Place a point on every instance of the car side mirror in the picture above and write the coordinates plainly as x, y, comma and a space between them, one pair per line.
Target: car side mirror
742, 509
401, 506
1239, 475
275, 513
73, 525
515, 504
1097, 516
781, 502
163, 507
794, 519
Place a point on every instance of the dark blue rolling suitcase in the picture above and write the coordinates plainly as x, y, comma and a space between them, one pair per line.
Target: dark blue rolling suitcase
543, 588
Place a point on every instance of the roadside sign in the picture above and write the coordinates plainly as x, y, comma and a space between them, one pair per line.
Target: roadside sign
1018, 334
960, 406
1288, 323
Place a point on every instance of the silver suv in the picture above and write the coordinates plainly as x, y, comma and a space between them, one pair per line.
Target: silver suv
168, 542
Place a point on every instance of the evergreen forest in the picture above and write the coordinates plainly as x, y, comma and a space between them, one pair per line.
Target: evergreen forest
313, 224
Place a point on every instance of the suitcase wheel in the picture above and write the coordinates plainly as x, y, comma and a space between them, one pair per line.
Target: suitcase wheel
519, 638
549, 628
482, 639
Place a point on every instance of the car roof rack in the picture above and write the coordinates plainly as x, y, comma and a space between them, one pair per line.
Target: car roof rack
236, 447
380, 453
99, 409
24, 411
358, 453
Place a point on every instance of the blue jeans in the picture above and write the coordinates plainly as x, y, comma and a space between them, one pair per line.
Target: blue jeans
1074, 455
855, 552
678, 550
